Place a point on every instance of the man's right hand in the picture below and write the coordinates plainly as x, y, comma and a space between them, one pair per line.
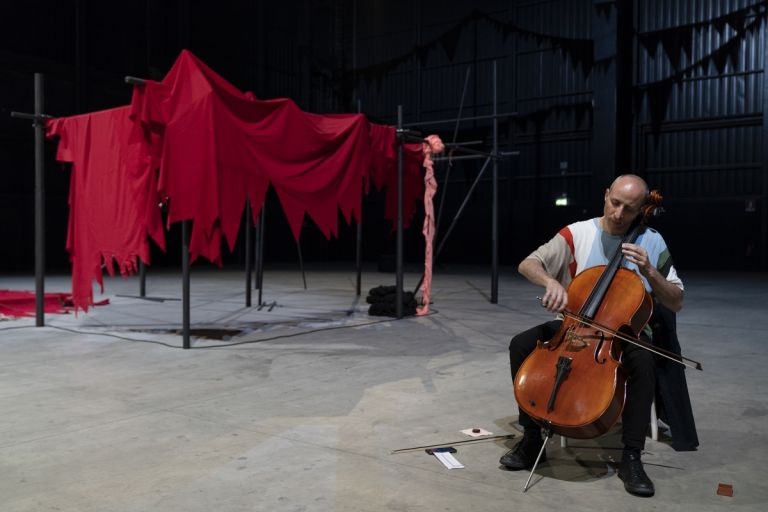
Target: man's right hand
555, 297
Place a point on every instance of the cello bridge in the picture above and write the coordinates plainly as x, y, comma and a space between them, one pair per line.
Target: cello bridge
575, 341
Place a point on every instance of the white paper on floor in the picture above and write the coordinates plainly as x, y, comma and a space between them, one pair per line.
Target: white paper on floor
448, 460
476, 432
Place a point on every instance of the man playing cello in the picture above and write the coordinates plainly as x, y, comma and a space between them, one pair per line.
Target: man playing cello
584, 245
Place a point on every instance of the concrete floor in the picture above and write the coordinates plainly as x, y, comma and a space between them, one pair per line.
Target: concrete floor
307, 417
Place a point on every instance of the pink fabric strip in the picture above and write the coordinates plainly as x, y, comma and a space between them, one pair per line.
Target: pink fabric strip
432, 146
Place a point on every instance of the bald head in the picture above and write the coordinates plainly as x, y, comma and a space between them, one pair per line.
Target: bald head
623, 202
631, 183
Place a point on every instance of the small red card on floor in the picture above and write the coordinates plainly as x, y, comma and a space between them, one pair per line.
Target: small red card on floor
725, 489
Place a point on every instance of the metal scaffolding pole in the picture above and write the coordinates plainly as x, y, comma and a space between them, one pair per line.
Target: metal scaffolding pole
495, 155
38, 122
142, 279
248, 254
399, 251
260, 251
301, 262
185, 225
495, 199
39, 203
359, 236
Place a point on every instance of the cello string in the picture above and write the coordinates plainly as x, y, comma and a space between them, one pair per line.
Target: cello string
635, 341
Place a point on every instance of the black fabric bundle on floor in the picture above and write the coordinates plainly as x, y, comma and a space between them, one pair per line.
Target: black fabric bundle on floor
382, 301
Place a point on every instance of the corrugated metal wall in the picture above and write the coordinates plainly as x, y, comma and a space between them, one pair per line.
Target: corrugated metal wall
553, 96
456, 49
707, 151
698, 130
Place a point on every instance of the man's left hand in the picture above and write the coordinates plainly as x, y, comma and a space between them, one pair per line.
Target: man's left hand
637, 255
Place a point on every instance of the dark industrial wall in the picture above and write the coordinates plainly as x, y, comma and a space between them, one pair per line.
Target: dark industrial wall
701, 126
672, 89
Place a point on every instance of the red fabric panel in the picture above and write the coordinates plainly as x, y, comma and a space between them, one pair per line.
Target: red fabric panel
112, 196
384, 172
215, 147
22, 303
220, 146
17, 304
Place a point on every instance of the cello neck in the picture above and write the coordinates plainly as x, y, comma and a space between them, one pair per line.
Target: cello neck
589, 310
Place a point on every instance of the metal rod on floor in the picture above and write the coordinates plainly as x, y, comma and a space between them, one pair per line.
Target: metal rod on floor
248, 253
185, 225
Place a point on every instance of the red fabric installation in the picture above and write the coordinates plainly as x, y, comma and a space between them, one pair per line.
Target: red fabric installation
112, 196
215, 147
22, 303
220, 147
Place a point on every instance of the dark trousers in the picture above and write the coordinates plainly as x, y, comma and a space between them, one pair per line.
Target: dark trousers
641, 381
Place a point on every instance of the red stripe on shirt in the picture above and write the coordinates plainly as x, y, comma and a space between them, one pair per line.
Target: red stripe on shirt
568, 236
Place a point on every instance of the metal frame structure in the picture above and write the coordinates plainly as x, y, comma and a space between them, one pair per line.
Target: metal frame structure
38, 123
407, 135
403, 135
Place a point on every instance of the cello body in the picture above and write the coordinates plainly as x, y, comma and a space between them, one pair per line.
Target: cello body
574, 384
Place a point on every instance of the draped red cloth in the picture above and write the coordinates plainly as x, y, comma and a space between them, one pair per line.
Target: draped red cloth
20, 303
23, 303
215, 147
220, 146
112, 196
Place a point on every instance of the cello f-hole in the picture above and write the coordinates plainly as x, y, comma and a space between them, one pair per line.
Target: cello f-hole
599, 346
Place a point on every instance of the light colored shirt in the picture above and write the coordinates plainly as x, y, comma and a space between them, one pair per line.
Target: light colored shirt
585, 244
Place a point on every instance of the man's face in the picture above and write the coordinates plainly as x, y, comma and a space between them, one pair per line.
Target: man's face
622, 205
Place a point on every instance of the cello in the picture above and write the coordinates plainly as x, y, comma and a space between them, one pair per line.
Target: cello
574, 384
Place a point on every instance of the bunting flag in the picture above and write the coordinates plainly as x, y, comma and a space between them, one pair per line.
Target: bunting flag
538, 117
579, 51
675, 40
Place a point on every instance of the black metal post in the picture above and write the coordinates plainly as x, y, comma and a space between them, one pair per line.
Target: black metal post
39, 203
359, 235
256, 253
248, 253
142, 279
399, 250
260, 251
185, 225
301, 262
495, 199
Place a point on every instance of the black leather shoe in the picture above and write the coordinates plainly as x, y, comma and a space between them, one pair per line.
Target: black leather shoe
632, 473
524, 454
